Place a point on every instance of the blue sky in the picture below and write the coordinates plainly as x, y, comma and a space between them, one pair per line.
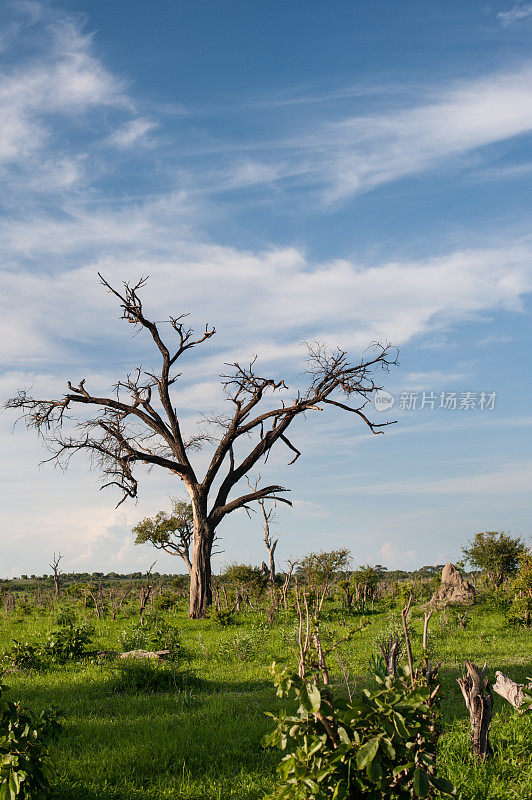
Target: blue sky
345, 171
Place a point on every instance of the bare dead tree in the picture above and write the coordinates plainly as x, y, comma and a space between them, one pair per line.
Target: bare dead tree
56, 573
292, 563
269, 541
146, 590
138, 423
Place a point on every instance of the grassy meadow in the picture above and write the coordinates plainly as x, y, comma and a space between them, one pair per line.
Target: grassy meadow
199, 736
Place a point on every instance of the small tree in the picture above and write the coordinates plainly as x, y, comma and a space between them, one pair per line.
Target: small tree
172, 533
521, 608
320, 571
365, 580
496, 554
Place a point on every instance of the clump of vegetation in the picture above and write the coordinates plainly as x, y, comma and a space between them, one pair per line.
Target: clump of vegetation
224, 617
23, 655
23, 750
68, 642
520, 610
152, 632
148, 675
240, 648
381, 745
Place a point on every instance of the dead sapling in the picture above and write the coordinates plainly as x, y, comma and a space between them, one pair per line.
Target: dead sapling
56, 574
145, 591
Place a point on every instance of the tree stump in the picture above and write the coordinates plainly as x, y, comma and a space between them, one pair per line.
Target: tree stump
510, 690
479, 701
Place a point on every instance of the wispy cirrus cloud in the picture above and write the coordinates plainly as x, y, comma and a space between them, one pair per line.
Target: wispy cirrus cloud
514, 14
133, 132
347, 154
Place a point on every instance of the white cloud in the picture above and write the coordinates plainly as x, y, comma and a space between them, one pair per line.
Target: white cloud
132, 132
370, 151
510, 479
395, 558
348, 155
271, 299
514, 14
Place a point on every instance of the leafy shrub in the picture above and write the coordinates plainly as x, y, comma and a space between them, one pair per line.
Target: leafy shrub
23, 655
153, 632
380, 746
240, 648
65, 616
165, 601
224, 618
68, 642
23, 750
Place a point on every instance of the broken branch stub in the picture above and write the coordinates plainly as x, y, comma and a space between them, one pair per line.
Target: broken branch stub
478, 698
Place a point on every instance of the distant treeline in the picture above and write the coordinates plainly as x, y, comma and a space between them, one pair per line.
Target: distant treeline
25, 582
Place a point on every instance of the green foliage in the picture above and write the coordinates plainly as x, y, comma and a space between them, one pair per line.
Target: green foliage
165, 601
224, 618
320, 569
379, 746
23, 751
496, 554
68, 642
520, 611
153, 632
240, 648
244, 575
23, 655
171, 532
147, 675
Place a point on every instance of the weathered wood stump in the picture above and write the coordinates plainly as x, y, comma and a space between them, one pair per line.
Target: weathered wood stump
479, 701
153, 655
510, 690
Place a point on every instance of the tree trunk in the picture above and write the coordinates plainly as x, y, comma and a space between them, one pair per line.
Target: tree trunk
479, 701
200, 573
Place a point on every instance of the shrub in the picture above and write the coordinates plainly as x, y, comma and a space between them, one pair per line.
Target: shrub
153, 632
224, 618
68, 642
23, 750
379, 746
240, 648
165, 601
23, 655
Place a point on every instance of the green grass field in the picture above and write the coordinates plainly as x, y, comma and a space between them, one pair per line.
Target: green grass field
202, 738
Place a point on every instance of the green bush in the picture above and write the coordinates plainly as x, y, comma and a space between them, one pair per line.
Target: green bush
67, 642
380, 746
224, 618
240, 648
23, 750
23, 655
154, 632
